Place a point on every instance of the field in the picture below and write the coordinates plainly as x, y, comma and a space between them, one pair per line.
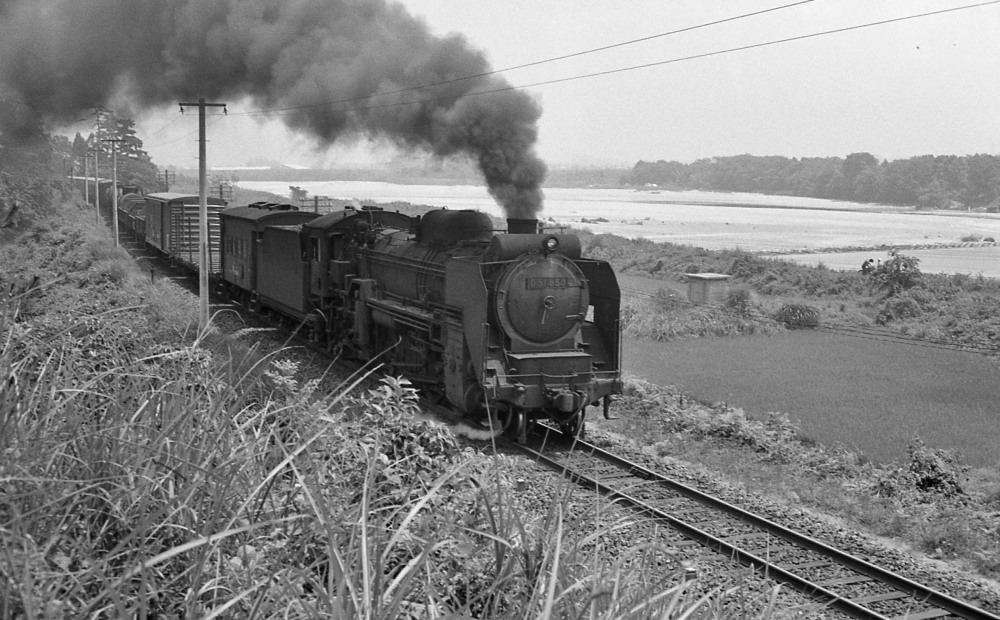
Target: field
867, 394
834, 386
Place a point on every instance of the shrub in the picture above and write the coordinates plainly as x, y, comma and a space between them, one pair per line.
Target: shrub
898, 273
746, 265
898, 308
742, 301
935, 470
796, 316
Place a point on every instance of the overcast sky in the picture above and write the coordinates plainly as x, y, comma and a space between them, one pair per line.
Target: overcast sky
926, 85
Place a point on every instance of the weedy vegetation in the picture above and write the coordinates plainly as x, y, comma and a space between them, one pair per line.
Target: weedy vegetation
959, 309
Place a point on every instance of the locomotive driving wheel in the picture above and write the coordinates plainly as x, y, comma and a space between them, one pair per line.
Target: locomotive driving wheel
575, 425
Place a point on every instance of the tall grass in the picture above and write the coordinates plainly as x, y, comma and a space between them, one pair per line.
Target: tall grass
157, 487
149, 472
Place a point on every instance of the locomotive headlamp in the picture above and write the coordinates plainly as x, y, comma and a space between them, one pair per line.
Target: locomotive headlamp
551, 244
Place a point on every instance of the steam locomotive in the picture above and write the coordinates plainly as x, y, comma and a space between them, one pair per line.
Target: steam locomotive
507, 328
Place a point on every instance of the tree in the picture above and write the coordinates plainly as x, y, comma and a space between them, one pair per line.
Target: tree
983, 180
79, 146
855, 163
134, 165
866, 185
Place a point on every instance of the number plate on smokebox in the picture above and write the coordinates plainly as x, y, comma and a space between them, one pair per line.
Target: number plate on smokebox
537, 283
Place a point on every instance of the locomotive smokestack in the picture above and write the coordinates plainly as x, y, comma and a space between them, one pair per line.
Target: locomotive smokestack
518, 226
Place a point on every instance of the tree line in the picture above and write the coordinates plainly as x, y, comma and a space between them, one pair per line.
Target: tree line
926, 182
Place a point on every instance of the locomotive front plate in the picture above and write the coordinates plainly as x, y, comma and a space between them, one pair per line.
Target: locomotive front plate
543, 283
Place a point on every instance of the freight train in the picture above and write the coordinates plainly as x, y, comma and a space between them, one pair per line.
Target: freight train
508, 328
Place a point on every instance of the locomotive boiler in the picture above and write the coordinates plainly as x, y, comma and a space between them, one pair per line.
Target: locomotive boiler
507, 328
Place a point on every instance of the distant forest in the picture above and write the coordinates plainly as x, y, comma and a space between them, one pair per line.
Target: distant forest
926, 182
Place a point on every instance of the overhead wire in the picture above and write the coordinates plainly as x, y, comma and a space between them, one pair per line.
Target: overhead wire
187, 135
161, 129
286, 111
538, 62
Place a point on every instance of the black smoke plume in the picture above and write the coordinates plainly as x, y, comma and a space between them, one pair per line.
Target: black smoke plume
66, 57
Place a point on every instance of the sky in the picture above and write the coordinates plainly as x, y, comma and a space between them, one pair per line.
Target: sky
921, 86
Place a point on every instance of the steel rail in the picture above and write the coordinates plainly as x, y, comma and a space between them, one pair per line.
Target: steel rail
925, 595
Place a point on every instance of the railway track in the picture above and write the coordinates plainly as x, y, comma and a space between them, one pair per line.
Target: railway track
832, 578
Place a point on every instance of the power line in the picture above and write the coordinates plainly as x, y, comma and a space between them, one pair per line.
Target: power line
177, 118
187, 135
285, 111
537, 62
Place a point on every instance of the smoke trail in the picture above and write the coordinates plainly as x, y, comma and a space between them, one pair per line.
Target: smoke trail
64, 57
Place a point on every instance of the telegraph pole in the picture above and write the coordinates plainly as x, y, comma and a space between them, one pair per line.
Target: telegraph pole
167, 175
203, 265
86, 180
97, 188
114, 185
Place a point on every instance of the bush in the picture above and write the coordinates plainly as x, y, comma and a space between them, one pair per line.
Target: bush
935, 470
896, 309
930, 471
796, 316
743, 302
898, 273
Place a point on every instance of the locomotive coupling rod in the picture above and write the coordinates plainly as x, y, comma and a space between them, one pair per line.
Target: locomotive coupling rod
607, 408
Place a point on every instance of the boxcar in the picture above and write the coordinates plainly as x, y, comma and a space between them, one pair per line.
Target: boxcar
172, 228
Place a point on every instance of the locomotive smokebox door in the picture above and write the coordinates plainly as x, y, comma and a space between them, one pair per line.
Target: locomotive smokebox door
542, 299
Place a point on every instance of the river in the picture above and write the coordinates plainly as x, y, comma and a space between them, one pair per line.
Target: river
785, 225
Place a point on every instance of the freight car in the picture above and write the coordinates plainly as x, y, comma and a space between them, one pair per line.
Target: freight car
506, 327
171, 228
132, 214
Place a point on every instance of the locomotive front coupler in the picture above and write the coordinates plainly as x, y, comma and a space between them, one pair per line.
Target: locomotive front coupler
566, 401
607, 408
